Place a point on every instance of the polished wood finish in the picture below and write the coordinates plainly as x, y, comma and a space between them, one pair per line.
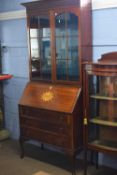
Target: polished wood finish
86, 30
54, 118
64, 98
108, 58
43, 7
76, 11
102, 90
83, 10
51, 112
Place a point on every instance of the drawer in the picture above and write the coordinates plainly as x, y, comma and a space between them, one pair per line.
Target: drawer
45, 115
44, 125
46, 137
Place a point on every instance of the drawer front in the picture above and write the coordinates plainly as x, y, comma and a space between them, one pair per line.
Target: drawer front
45, 115
46, 137
45, 125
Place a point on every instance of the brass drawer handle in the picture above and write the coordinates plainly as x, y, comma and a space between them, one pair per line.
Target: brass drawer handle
85, 121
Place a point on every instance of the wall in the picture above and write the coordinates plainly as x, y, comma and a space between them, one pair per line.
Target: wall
15, 61
13, 35
6, 5
104, 31
105, 40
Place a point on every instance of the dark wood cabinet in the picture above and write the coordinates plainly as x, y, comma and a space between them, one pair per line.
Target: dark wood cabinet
59, 39
52, 114
48, 114
59, 34
100, 118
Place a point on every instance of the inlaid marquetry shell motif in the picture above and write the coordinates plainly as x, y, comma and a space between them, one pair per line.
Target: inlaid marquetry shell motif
47, 96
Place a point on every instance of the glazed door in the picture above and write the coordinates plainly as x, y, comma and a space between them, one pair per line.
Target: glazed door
65, 41
55, 46
40, 48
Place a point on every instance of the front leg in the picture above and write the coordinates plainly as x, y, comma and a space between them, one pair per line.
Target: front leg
21, 141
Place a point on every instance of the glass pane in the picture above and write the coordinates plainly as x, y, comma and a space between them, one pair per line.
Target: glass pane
103, 111
73, 73
61, 52
44, 26
61, 56
46, 69
34, 48
73, 48
73, 66
45, 64
33, 33
61, 69
35, 67
34, 22
67, 46
40, 47
72, 24
60, 25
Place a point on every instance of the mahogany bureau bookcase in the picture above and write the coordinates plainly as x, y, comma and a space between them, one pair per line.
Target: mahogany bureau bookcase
50, 109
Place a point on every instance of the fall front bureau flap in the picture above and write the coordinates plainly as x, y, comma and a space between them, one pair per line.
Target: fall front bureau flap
59, 98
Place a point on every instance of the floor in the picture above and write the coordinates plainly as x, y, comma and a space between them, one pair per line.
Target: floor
40, 162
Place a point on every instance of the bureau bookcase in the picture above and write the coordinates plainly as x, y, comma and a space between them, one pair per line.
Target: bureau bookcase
50, 109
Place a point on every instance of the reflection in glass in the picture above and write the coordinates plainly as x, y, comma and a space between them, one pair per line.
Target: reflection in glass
73, 69
61, 52
67, 46
60, 25
34, 48
72, 24
40, 48
46, 69
73, 48
34, 22
73, 66
66, 32
33, 33
61, 69
46, 59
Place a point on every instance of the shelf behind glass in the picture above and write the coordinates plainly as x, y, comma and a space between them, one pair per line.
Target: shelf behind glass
104, 121
101, 97
105, 144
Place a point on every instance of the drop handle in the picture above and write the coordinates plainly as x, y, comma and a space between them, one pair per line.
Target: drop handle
85, 122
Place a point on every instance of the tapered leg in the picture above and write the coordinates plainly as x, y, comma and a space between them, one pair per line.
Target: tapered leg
85, 161
21, 147
73, 165
97, 166
72, 159
92, 157
42, 146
